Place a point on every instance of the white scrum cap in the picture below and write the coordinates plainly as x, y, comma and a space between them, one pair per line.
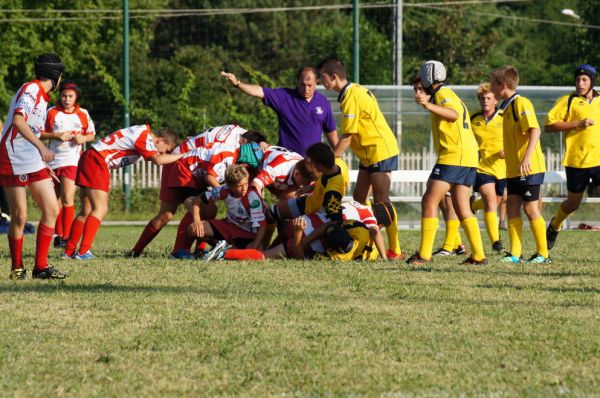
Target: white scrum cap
432, 72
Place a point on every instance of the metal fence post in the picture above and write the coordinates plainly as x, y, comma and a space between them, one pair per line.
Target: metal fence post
127, 170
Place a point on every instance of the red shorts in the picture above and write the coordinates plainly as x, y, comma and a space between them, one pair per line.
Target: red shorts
92, 171
224, 230
24, 180
69, 172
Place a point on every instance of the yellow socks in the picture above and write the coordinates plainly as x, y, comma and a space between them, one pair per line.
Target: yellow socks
558, 219
392, 233
428, 229
471, 228
538, 228
491, 225
450, 238
515, 231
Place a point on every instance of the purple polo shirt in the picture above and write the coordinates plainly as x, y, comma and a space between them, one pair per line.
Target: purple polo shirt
301, 123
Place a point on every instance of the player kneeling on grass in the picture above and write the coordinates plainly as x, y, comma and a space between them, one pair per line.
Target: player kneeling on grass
307, 232
67, 126
23, 160
246, 222
118, 149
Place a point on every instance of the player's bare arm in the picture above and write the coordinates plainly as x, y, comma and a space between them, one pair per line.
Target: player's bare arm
250, 89
22, 127
165, 158
566, 126
447, 113
332, 138
342, 145
534, 136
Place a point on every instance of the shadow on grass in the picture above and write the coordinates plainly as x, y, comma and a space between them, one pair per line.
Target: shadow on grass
486, 271
582, 289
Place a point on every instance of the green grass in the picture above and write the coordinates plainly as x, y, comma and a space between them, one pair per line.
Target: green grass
159, 327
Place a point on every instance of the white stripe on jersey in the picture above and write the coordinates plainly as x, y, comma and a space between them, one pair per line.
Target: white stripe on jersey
227, 134
17, 155
125, 146
67, 153
212, 159
246, 212
277, 168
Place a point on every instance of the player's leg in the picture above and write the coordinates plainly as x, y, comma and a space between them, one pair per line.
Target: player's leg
515, 225
164, 216
17, 200
381, 183
79, 223
58, 227
461, 195
536, 221
490, 215
42, 192
452, 236
99, 201
67, 197
436, 189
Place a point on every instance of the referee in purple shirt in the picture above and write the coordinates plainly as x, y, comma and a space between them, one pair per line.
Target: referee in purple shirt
303, 113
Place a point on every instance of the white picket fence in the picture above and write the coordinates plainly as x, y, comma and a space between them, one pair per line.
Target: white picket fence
147, 174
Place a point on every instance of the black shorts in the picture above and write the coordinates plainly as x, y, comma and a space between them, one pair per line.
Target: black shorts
454, 174
483, 178
578, 179
385, 166
527, 187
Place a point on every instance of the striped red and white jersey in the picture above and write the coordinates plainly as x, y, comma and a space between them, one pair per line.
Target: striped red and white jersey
357, 211
314, 221
247, 212
277, 168
212, 159
17, 155
227, 134
126, 146
67, 153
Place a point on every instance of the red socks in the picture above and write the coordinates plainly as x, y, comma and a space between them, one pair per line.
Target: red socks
68, 214
16, 251
182, 241
244, 254
42, 245
89, 233
147, 236
58, 226
76, 232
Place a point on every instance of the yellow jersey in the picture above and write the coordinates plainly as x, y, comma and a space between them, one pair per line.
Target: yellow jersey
372, 140
519, 117
328, 193
362, 247
488, 133
582, 145
454, 142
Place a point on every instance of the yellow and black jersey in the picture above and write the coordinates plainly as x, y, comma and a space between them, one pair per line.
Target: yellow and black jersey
488, 133
454, 141
362, 247
582, 145
328, 193
372, 139
519, 118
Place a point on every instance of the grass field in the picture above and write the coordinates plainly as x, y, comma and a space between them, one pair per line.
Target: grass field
159, 327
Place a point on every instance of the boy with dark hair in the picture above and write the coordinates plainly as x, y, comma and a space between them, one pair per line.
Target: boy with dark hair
118, 149
456, 166
525, 165
23, 159
366, 131
576, 115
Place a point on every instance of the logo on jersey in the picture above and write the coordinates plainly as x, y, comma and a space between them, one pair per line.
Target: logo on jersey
255, 204
319, 110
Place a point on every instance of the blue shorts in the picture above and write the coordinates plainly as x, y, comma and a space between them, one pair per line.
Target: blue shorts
385, 166
483, 179
454, 174
578, 179
527, 187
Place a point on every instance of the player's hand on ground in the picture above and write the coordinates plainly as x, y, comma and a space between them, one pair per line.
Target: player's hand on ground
46, 154
586, 122
299, 224
230, 78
